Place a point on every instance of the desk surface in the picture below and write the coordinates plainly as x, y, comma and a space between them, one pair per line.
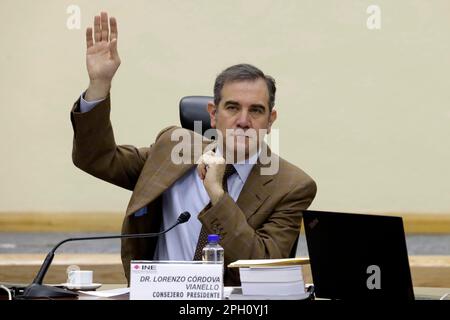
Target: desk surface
431, 293
419, 292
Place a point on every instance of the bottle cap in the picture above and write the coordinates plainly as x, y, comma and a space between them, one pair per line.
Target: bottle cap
213, 238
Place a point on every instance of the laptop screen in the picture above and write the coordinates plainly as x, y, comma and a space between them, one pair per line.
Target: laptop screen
355, 256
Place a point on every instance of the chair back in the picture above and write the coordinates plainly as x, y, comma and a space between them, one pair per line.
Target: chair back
194, 108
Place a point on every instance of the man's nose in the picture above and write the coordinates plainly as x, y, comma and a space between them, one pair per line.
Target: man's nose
243, 120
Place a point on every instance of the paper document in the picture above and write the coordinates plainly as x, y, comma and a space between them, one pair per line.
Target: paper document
235, 293
268, 262
107, 293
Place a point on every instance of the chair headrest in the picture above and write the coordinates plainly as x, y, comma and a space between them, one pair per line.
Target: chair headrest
194, 108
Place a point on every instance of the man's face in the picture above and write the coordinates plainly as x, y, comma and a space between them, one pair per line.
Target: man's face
244, 106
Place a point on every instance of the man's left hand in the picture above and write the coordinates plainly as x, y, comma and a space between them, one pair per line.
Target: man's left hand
211, 169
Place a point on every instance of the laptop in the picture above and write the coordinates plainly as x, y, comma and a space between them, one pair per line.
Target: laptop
358, 256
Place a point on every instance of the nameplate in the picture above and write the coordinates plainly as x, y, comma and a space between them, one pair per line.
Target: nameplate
175, 280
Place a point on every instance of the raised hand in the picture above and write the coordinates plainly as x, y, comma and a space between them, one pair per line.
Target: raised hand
102, 58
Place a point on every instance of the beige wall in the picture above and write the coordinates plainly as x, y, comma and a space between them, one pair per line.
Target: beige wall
366, 113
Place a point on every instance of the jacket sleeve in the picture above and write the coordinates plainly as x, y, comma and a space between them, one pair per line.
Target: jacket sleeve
95, 150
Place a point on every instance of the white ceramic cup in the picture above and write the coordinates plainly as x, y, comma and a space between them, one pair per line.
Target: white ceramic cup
80, 277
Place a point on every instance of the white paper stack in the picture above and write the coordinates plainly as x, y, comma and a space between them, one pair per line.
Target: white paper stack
273, 279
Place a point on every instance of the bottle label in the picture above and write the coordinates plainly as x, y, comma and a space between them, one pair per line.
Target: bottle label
215, 256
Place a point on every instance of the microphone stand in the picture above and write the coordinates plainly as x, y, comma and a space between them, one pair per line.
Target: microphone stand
38, 290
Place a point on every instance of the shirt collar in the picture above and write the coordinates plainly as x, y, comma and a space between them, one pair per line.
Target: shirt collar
243, 168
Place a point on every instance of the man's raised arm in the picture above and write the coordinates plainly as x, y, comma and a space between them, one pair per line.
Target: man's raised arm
94, 147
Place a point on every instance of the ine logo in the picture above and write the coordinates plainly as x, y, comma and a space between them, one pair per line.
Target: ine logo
74, 20
144, 268
150, 267
374, 280
374, 20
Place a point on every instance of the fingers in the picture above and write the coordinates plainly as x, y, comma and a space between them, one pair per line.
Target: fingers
113, 24
97, 30
113, 37
89, 40
113, 50
104, 26
201, 169
210, 162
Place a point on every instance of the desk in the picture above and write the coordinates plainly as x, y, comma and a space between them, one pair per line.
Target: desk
426, 293
426, 271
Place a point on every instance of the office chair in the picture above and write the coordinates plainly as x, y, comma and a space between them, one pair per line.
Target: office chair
194, 108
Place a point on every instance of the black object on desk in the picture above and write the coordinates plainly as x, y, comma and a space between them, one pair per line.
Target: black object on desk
356, 256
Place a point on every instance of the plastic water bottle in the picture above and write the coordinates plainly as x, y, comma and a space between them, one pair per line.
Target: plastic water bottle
213, 251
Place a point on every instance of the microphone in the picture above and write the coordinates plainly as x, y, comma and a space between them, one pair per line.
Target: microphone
37, 290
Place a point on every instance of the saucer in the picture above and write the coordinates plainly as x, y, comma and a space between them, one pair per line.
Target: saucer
72, 286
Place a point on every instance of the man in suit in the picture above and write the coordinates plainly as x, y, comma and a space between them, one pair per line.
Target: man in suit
256, 215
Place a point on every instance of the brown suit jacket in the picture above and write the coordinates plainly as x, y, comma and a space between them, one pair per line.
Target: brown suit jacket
263, 223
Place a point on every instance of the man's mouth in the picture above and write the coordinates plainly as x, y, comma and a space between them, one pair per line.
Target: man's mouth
240, 133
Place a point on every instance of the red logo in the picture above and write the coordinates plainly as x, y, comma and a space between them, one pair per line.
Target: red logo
136, 266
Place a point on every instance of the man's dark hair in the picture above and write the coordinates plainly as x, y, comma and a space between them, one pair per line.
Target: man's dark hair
243, 72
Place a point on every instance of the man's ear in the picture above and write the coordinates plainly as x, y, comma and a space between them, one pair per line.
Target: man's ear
212, 110
272, 118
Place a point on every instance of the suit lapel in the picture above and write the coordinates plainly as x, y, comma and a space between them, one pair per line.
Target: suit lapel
254, 192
